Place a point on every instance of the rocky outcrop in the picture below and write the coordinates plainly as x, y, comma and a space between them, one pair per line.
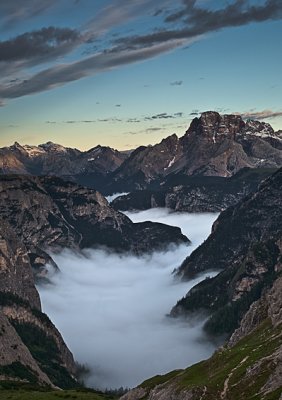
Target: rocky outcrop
194, 193
144, 165
246, 245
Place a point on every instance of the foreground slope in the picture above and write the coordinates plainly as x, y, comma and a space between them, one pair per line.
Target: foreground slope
249, 366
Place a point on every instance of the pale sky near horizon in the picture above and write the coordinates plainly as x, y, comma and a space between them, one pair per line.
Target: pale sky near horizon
124, 73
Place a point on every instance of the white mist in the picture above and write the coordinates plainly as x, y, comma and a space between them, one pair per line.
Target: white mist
111, 309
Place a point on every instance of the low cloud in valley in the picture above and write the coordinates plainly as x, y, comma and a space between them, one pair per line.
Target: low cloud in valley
111, 309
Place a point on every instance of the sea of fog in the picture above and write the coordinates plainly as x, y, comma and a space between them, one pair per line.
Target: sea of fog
111, 309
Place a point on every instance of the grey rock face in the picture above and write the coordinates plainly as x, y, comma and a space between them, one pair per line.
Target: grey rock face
15, 269
20, 304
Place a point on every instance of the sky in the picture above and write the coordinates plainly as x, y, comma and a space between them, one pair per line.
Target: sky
128, 73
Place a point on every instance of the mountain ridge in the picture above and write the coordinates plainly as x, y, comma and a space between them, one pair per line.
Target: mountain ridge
213, 145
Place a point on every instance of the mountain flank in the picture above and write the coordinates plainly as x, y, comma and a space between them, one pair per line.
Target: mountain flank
245, 244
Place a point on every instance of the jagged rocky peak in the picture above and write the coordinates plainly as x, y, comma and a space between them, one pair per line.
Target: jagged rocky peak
212, 124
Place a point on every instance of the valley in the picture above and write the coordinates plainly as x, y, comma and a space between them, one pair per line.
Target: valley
176, 274
118, 305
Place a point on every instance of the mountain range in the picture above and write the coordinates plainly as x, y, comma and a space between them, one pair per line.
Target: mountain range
49, 201
213, 145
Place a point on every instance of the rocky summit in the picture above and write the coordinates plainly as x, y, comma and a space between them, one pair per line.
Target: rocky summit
214, 145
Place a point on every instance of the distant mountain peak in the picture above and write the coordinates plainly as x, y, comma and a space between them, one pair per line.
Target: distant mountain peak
213, 124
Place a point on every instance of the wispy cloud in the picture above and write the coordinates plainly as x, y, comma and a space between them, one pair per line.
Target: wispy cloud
264, 114
193, 23
63, 73
164, 116
13, 11
198, 21
40, 44
176, 83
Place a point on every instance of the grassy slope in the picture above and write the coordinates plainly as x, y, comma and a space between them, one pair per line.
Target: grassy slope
13, 391
232, 362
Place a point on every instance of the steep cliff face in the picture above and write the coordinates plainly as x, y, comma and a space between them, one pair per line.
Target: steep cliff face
27, 336
15, 269
246, 245
221, 145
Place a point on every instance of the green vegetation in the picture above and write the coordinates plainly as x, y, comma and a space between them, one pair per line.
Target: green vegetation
231, 367
44, 349
18, 371
159, 379
11, 299
21, 391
